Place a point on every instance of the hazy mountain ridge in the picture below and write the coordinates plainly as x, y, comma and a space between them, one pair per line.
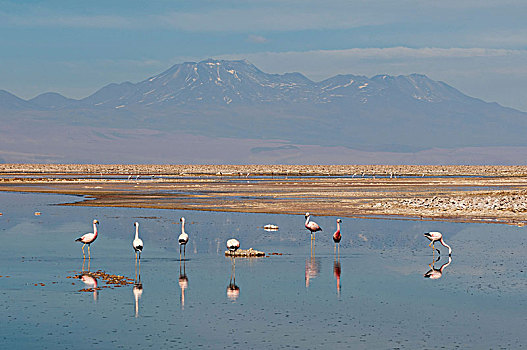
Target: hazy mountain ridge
235, 99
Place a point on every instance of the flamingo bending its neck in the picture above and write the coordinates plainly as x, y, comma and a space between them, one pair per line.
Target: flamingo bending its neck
88, 239
337, 236
312, 226
183, 239
437, 237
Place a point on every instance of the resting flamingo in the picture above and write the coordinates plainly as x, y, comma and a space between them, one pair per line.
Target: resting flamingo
435, 237
337, 236
88, 239
311, 226
183, 239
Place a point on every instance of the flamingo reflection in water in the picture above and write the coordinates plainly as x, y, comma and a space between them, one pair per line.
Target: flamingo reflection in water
312, 265
138, 291
233, 291
91, 282
183, 284
434, 273
336, 272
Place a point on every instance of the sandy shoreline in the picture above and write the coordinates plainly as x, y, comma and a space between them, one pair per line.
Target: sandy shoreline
495, 194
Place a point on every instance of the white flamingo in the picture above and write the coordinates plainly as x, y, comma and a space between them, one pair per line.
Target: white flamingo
183, 239
137, 243
434, 236
312, 226
233, 245
233, 291
88, 239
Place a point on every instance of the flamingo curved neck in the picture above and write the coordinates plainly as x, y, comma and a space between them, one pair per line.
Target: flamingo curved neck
95, 229
338, 228
136, 231
307, 221
183, 226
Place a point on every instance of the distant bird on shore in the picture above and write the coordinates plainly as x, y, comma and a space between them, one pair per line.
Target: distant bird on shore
312, 226
337, 236
233, 245
88, 239
183, 239
137, 243
437, 237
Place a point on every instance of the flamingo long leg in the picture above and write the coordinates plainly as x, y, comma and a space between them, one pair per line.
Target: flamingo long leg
89, 254
84, 256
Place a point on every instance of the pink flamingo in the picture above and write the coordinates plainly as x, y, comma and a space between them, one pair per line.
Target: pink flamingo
435, 237
311, 226
88, 239
337, 236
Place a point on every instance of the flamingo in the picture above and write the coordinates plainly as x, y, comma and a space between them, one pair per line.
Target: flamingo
434, 273
337, 236
434, 236
233, 245
233, 291
311, 226
88, 239
137, 243
183, 239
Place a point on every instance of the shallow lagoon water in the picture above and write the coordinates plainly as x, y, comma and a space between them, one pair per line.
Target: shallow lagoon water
283, 301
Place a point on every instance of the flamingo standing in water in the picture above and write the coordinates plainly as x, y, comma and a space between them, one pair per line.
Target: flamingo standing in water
88, 239
437, 237
337, 236
137, 243
311, 226
183, 239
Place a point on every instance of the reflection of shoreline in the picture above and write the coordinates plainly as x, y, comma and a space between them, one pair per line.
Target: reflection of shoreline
110, 192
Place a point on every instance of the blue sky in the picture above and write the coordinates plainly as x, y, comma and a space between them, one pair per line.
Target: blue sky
76, 47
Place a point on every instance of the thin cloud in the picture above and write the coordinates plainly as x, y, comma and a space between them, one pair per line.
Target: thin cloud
257, 39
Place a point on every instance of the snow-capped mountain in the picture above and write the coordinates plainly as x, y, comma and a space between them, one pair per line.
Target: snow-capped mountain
235, 99
223, 82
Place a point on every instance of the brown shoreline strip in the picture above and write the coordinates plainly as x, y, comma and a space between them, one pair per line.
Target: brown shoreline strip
493, 194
